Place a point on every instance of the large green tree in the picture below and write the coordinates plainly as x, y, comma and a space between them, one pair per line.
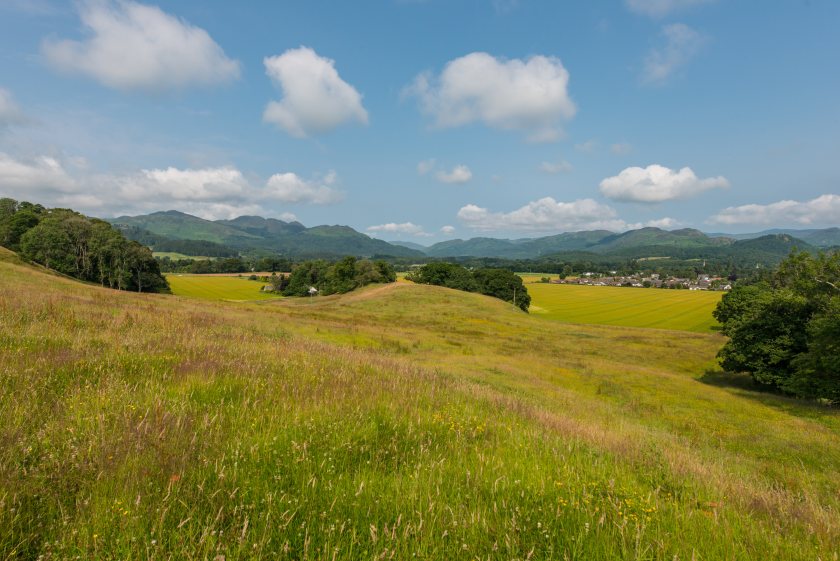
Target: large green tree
786, 333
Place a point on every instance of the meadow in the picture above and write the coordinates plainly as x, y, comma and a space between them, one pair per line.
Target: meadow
399, 421
218, 287
689, 310
175, 256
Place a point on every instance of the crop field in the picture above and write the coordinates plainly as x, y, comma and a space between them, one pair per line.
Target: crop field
217, 287
396, 422
687, 310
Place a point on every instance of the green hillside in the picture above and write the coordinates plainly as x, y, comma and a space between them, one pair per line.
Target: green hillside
400, 421
181, 226
266, 234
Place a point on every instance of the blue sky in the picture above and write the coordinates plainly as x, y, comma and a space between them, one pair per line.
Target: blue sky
428, 120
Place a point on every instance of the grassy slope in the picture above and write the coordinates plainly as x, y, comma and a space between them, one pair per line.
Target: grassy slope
688, 310
217, 287
396, 422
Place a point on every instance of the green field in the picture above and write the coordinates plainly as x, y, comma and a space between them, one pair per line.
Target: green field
688, 310
175, 256
210, 287
396, 422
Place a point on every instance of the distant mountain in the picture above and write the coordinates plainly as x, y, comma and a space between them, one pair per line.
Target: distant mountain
263, 227
826, 237
264, 234
254, 233
526, 248
181, 226
656, 237
410, 245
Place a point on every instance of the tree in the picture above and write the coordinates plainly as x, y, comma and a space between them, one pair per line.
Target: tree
49, 244
785, 332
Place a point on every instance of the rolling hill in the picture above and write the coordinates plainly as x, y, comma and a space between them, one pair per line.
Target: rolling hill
825, 237
266, 234
399, 421
293, 239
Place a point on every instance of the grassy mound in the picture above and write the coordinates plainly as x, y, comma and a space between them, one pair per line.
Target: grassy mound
394, 422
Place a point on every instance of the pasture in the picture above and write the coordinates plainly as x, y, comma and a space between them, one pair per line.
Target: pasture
686, 310
218, 287
175, 256
396, 422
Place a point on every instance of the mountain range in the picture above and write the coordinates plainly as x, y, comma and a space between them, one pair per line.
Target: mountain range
255, 233
293, 239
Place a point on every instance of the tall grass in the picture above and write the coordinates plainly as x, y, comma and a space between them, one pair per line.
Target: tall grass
400, 422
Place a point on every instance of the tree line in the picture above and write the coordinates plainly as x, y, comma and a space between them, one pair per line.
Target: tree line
785, 330
498, 283
342, 276
226, 265
85, 248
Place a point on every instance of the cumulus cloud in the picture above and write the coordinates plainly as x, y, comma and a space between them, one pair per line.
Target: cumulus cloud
656, 184
291, 188
460, 174
10, 113
447, 230
315, 98
44, 174
621, 148
425, 166
823, 210
660, 8
549, 215
213, 192
561, 166
206, 185
133, 46
681, 45
394, 228
529, 95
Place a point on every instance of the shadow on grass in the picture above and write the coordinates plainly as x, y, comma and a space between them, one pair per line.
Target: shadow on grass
747, 387
723, 379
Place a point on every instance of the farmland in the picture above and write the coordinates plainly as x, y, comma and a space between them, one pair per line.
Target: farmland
689, 310
399, 421
217, 287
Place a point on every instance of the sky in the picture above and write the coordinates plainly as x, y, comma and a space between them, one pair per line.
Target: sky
428, 120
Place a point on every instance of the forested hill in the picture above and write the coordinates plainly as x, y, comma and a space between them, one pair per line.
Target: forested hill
85, 248
644, 242
256, 233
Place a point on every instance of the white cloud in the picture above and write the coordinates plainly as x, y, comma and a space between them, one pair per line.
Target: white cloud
10, 113
394, 228
681, 45
288, 217
587, 147
548, 215
213, 192
206, 185
447, 230
44, 174
425, 166
138, 47
460, 174
315, 98
561, 166
660, 8
529, 95
290, 188
823, 210
621, 148
656, 184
